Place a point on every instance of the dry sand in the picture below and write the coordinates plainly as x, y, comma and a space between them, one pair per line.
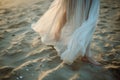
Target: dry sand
24, 57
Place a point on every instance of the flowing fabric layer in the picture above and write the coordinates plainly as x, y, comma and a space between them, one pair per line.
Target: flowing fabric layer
78, 21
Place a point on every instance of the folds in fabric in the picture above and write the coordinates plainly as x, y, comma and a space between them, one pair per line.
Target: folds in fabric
75, 21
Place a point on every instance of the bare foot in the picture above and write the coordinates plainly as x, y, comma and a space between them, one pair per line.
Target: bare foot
91, 60
84, 59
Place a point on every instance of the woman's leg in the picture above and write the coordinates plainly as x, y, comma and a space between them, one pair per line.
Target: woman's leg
88, 57
60, 26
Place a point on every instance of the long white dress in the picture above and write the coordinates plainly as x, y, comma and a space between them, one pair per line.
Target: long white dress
77, 31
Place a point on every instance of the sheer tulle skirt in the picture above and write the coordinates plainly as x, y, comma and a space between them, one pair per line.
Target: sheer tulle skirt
69, 26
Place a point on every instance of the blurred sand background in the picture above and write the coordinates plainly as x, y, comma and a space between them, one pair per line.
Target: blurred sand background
24, 57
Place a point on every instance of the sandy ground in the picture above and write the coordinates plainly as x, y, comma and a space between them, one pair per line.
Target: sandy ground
24, 57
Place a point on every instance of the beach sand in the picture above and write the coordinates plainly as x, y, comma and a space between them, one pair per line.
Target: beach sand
24, 57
